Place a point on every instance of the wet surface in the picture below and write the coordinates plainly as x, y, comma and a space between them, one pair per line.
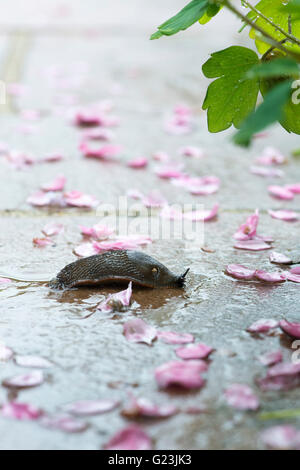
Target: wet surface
91, 357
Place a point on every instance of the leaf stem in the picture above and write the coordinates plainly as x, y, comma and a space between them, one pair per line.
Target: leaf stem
271, 40
282, 31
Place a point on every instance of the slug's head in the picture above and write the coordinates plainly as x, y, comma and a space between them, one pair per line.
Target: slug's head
155, 274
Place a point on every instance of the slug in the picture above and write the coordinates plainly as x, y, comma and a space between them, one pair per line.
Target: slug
117, 265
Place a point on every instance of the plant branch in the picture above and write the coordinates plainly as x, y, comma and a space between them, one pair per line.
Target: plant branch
266, 35
282, 31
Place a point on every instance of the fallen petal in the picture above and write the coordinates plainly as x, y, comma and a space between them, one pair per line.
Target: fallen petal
194, 351
130, 438
171, 337
52, 229
57, 184
33, 361
279, 258
269, 277
116, 302
204, 215
247, 231
281, 437
5, 353
287, 215
252, 245
271, 358
32, 379
63, 423
291, 329
241, 397
186, 374
240, 272
20, 411
263, 325
140, 162
144, 407
91, 407
137, 331
281, 192
41, 242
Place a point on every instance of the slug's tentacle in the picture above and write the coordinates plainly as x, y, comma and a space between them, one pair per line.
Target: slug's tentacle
118, 265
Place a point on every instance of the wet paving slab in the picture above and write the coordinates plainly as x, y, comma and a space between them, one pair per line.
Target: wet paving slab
90, 355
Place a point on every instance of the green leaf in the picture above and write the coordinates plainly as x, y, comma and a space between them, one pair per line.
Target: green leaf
274, 11
275, 68
230, 98
270, 111
191, 13
292, 7
212, 10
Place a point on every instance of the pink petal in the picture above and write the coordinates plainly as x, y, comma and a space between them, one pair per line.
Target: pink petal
282, 376
137, 331
57, 184
41, 198
271, 156
4, 280
252, 245
52, 229
130, 438
52, 157
41, 242
85, 249
291, 329
170, 213
106, 152
33, 361
20, 411
287, 215
169, 171
63, 423
91, 407
263, 326
294, 188
271, 358
185, 374
161, 156
241, 397
144, 407
204, 215
266, 172
79, 199
247, 231
295, 270
281, 192
292, 277
98, 134
269, 277
98, 231
88, 118
194, 351
204, 190
140, 162
32, 379
5, 353
191, 151
154, 199
135, 194
116, 301
282, 437
170, 337
240, 272
279, 258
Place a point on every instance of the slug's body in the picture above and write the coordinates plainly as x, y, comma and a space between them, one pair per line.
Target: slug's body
118, 265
